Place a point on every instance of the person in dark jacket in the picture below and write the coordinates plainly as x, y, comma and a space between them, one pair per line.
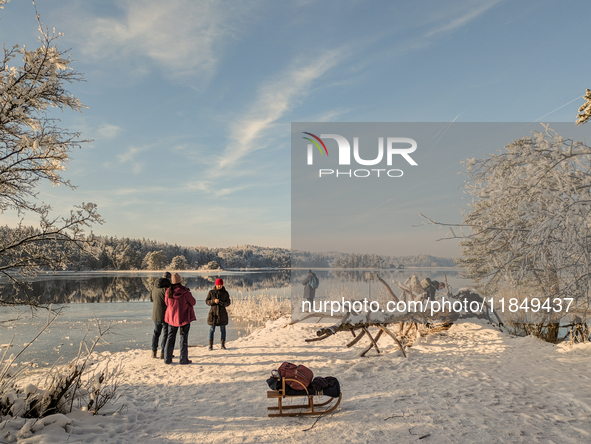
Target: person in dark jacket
218, 299
432, 287
179, 315
309, 289
158, 310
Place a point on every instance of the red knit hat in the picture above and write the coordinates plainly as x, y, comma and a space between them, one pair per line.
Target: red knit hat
219, 281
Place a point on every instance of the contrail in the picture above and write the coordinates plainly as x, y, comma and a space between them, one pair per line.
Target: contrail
442, 134
576, 98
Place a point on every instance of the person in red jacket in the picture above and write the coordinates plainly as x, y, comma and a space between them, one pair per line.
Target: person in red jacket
179, 314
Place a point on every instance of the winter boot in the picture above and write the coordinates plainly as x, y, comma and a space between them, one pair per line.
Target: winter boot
162, 354
223, 344
211, 345
154, 353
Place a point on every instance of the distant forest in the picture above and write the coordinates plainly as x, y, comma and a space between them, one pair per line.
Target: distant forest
344, 260
112, 253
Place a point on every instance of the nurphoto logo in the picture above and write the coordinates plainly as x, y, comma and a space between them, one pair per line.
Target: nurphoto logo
394, 146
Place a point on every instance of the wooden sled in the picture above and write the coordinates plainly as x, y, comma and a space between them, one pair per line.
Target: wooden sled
310, 406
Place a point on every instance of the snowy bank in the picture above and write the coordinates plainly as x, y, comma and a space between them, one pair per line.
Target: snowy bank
470, 384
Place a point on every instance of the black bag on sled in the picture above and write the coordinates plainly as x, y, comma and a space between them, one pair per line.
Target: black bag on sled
328, 386
275, 384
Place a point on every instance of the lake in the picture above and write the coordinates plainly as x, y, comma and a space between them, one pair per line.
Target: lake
121, 300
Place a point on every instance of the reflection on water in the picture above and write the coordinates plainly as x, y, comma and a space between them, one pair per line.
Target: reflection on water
123, 300
95, 287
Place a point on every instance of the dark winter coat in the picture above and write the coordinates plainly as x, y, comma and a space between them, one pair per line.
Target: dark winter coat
179, 306
157, 297
309, 291
217, 313
432, 289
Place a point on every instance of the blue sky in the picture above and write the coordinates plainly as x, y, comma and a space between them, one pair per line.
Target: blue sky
190, 102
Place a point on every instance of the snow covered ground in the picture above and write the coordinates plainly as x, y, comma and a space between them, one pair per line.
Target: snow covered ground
470, 384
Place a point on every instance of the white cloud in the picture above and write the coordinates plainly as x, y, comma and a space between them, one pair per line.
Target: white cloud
108, 131
274, 99
181, 37
231, 190
200, 185
464, 14
139, 191
129, 156
331, 115
281, 94
213, 189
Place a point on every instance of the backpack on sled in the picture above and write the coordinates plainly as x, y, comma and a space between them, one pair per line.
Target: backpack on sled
303, 375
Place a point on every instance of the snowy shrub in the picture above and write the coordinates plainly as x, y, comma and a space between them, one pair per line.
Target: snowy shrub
101, 386
522, 322
66, 387
259, 308
58, 387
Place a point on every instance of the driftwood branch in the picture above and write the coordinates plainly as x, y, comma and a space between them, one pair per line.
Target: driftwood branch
388, 288
352, 322
409, 292
374, 342
356, 340
320, 316
388, 332
409, 328
319, 338
448, 288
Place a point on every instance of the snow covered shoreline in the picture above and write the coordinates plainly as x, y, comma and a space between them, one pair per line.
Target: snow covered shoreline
470, 384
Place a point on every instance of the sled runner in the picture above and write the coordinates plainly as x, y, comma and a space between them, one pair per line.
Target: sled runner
310, 407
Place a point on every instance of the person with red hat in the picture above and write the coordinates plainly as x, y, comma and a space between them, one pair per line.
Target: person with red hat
218, 299
179, 314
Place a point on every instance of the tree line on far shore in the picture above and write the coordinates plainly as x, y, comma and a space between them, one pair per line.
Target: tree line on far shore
113, 253
306, 259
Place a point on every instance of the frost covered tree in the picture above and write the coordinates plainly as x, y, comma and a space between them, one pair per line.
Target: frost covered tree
179, 263
33, 150
585, 109
213, 265
530, 218
119, 254
155, 260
